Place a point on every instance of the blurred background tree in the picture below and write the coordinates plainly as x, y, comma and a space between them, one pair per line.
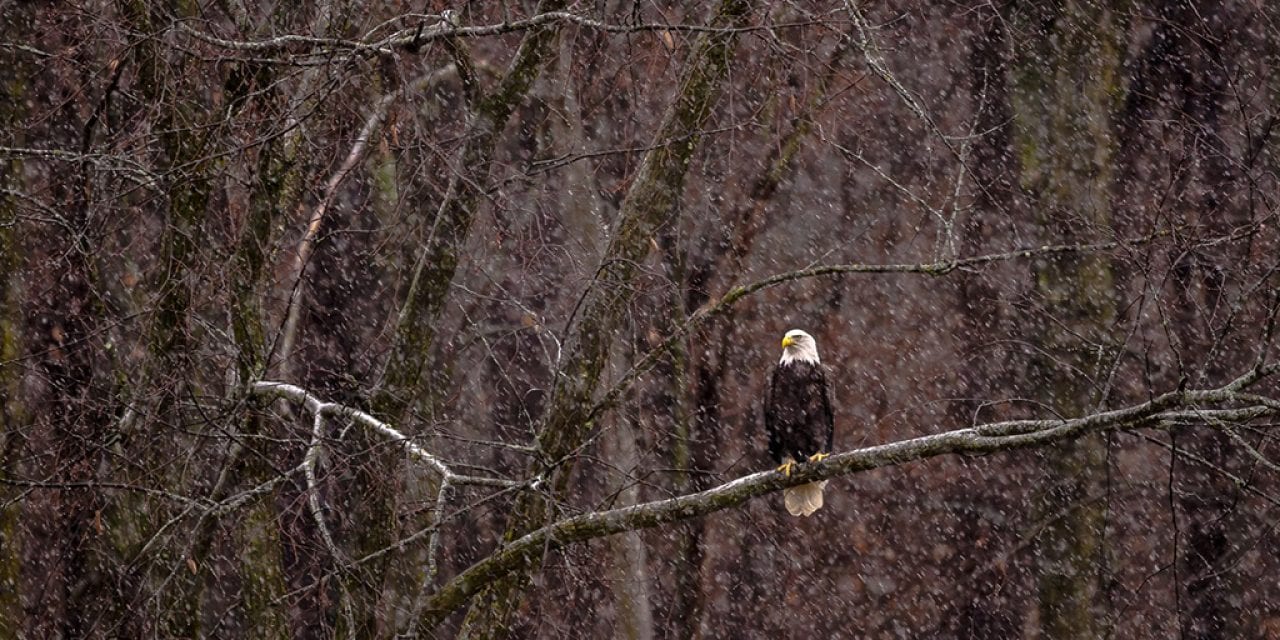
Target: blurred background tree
514, 232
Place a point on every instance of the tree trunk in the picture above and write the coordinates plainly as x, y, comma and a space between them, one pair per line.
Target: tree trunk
13, 420
1217, 531
1065, 85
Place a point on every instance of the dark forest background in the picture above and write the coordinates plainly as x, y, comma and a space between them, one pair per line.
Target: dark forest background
513, 232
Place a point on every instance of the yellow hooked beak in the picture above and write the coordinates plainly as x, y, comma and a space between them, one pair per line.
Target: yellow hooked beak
787, 341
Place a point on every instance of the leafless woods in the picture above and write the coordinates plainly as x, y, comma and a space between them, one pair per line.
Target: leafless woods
335, 320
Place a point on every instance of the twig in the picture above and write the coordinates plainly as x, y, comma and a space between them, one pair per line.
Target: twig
321, 409
313, 488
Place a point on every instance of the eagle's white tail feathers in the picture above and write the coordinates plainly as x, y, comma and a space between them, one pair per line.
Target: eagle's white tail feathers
804, 499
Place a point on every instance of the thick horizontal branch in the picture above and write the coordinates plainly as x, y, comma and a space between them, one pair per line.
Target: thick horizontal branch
983, 439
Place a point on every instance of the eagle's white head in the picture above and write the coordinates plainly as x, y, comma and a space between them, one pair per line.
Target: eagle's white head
798, 346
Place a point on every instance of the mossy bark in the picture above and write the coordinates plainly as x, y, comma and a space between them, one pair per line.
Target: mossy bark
262, 584
1065, 86
12, 416
188, 191
648, 206
261, 576
277, 192
438, 261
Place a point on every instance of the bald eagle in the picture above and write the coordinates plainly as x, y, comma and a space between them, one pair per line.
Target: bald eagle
797, 417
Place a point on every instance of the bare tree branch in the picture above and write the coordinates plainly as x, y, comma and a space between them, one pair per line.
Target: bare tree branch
442, 29
978, 440
317, 406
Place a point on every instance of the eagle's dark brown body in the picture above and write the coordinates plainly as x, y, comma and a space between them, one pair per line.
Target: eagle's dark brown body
798, 419
797, 412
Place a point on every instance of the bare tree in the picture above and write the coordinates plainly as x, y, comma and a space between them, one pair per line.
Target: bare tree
328, 320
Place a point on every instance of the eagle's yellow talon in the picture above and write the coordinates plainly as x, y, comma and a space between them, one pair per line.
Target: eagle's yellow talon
786, 467
819, 457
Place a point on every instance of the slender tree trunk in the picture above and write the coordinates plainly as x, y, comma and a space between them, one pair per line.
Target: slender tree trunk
275, 177
986, 609
582, 217
170, 341
1217, 530
431, 282
1065, 85
629, 565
